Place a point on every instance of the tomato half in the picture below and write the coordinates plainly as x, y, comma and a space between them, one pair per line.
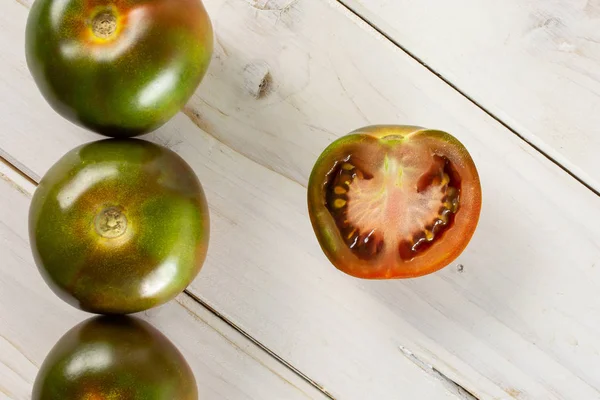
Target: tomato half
119, 226
118, 67
114, 358
394, 201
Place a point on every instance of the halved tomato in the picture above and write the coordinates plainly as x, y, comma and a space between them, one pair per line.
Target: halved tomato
394, 201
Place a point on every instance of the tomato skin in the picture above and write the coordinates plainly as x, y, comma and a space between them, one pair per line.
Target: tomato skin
440, 254
114, 358
125, 85
165, 219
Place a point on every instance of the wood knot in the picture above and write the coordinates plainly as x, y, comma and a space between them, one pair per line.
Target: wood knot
257, 79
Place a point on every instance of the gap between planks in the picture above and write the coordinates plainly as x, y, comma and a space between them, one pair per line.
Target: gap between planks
462, 93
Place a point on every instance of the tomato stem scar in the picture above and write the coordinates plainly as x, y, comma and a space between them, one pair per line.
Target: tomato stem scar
104, 24
111, 223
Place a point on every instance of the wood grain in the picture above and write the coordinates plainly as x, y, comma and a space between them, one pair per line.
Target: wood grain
533, 64
32, 319
518, 319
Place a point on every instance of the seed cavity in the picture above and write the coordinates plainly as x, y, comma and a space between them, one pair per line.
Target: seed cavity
421, 241
365, 244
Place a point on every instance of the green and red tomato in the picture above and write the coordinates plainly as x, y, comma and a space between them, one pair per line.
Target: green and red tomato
118, 67
106, 358
394, 201
119, 226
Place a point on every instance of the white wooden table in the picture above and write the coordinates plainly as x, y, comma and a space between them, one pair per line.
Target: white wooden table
517, 81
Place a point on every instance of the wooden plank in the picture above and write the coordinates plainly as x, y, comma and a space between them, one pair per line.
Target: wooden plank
518, 319
533, 64
32, 319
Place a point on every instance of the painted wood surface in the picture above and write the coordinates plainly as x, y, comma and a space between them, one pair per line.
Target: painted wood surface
226, 364
534, 64
515, 316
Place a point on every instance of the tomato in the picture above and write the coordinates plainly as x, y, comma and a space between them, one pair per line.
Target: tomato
118, 67
114, 358
394, 201
119, 226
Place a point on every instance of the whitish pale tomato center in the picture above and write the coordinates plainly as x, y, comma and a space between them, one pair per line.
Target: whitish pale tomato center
390, 203
402, 207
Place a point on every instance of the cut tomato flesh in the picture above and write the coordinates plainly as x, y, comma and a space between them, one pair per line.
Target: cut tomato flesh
396, 211
391, 204
394, 205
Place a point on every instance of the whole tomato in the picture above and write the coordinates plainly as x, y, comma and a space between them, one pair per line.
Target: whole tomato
114, 358
119, 226
118, 67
